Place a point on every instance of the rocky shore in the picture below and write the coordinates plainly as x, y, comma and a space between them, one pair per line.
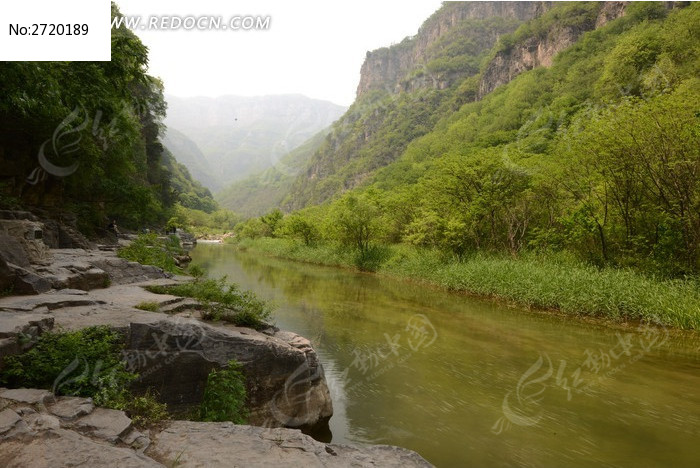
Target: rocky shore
57, 280
39, 430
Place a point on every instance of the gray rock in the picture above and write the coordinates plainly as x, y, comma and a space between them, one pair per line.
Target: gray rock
213, 445
71, 408
103, 423
57, 448
121, 271
27, 282
285, 382
7, 277
35, 437
8, 420
41, 421
31, 396
12, 251
29, 236
19, 331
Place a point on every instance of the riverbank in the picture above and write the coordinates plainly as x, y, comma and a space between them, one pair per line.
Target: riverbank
536, 281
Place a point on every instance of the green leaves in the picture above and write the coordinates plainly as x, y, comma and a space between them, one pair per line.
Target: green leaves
225, 395
222, 301
82, 363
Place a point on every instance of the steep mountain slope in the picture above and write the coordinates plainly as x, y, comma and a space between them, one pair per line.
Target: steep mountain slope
403, 91
464, 51
188, 153
241, 135
578, 134
259, 193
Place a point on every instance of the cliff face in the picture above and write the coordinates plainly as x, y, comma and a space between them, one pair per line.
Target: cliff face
385, 68
540, 50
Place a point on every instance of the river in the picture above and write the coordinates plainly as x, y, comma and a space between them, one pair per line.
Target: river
469, 382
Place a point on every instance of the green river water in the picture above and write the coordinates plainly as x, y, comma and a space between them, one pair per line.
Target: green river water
468, 382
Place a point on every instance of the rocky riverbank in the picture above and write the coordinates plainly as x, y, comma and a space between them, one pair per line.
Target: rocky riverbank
171, 350
38, 429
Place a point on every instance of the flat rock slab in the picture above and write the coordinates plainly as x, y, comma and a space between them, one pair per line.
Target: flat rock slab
56, 448
50, 301
12, 323
114, 316
8, 420
30, 396
105, 424
223, 445
71, 407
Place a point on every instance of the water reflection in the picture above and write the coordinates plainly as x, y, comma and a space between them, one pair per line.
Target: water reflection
444, 399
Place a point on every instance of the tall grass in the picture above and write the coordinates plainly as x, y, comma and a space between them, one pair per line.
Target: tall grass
543, 281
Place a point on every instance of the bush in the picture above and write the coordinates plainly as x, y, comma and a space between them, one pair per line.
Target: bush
225, 395
82, 363
371, 258
144, 410
196, 271
222, 301
148, 306
148, 249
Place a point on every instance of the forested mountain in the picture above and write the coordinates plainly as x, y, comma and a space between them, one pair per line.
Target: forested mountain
188, 153
259, 193
83, 138
565, 126
239, 135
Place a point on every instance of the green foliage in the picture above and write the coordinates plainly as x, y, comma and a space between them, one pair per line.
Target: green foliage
594, 159
541, 280
222, 301
201, 222
103, 119
144, 410
355, 222
148, 306
82, 363
298, 227
371, 258
196, 271
149, 249
225, 395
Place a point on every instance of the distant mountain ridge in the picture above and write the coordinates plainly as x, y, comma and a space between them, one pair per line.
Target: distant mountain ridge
225, 139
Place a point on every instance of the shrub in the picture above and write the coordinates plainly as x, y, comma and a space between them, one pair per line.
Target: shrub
148, 306
82, 363
144, 410
371, 258
225, 395
148, 249
222, 301
196, 271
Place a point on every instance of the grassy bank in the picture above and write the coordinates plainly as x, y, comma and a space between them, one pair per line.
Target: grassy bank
541, 281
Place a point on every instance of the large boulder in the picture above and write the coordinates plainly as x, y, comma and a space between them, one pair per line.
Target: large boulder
12, 251
29, 234
25, 281
58, 235
285, 381
122, 271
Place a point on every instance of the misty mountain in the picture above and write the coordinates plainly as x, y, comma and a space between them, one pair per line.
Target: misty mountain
231, 137
188, 153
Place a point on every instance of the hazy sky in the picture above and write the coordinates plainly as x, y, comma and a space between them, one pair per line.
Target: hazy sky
315, 48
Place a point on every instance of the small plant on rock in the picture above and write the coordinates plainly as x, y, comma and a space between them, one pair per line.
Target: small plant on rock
225, 395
